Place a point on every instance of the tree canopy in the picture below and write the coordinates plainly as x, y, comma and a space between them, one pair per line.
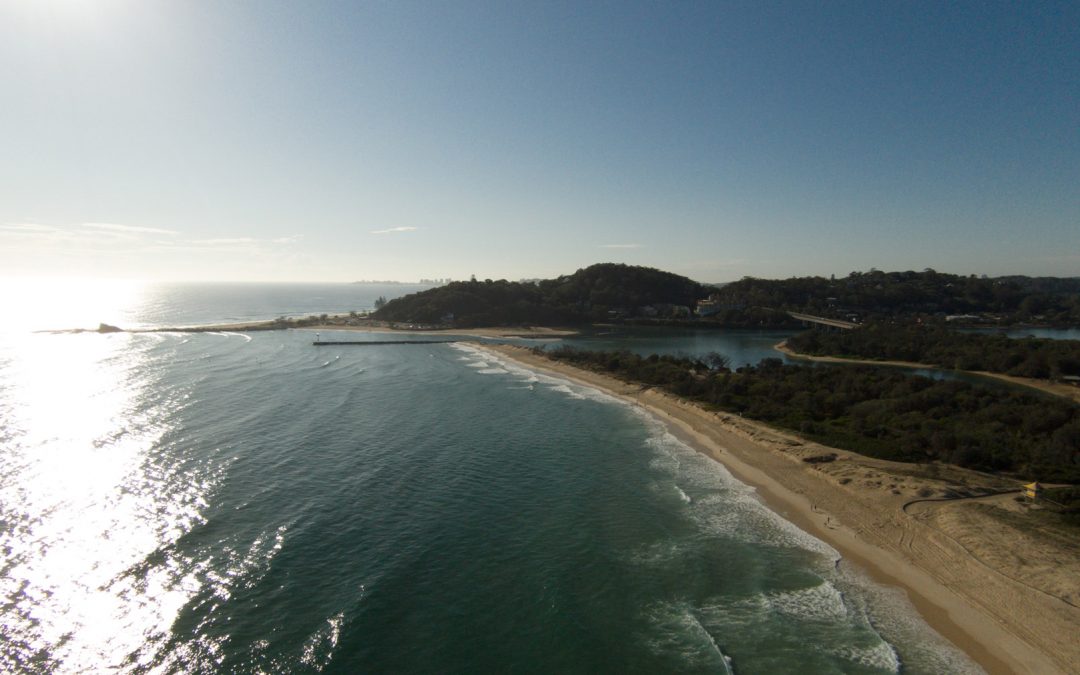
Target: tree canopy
874, 411
594, 293
879, 294
1039, 358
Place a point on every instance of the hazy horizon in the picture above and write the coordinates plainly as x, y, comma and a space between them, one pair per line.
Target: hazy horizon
59, 280
333, 142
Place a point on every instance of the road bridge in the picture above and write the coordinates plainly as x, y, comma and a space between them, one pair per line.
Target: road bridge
822, 321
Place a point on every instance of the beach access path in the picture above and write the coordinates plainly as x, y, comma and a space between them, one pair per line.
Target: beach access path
1001, 592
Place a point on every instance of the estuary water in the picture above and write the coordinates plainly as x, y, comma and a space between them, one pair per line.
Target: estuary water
229, 502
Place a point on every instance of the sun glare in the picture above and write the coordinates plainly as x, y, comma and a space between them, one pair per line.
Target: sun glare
51, 20
81, 475
64, 304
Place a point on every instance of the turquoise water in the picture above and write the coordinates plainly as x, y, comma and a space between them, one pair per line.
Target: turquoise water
251, 503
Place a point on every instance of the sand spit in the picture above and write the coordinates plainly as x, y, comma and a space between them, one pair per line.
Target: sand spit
1000, 585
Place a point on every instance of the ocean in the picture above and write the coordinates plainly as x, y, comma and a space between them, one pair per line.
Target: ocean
242, 503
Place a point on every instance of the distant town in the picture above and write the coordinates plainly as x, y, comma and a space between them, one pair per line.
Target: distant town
422, 282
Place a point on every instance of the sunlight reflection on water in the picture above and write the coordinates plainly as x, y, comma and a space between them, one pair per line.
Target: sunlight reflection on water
84, 503
60, 304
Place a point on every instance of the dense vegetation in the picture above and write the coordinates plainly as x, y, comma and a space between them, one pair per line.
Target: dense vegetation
876, 294
1028, 357
610, 291
615, 292
596, 293
874, 411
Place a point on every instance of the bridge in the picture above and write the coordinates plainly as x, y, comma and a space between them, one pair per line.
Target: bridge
822, 321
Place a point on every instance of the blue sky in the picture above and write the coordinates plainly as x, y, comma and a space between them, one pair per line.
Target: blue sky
337, 141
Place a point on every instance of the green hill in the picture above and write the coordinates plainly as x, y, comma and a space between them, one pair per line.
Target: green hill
596, 293
877, 294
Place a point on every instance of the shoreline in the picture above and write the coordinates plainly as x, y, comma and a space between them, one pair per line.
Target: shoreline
984, 613
520, 332
1062, 390
530, 333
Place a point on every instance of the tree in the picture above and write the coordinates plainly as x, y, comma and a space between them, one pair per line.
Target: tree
717, 361
380, 302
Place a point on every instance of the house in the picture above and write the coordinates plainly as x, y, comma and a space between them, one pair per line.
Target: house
708, 307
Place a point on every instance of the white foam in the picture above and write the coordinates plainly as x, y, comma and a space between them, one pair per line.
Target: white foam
749, 610
333, 360
723, 506
662, 553
890, 614
678, 632
731, 510
564, 389
558, 384
664, 464
880, 656
820, 603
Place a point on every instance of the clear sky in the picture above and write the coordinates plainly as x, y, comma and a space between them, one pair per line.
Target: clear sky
325, 141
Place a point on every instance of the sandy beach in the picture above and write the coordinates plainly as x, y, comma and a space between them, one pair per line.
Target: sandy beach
1055, 388
1003, 590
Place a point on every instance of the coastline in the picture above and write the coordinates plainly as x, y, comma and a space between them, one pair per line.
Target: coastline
1063, 390
531, 332
850, 503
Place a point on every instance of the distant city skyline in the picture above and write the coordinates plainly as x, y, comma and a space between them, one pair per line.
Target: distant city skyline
339, 141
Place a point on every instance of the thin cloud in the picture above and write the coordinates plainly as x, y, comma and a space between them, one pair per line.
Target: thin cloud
50, 233
90, 234
133, 229
287, 240
620, 246
28, 227
225, 241
395, 229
